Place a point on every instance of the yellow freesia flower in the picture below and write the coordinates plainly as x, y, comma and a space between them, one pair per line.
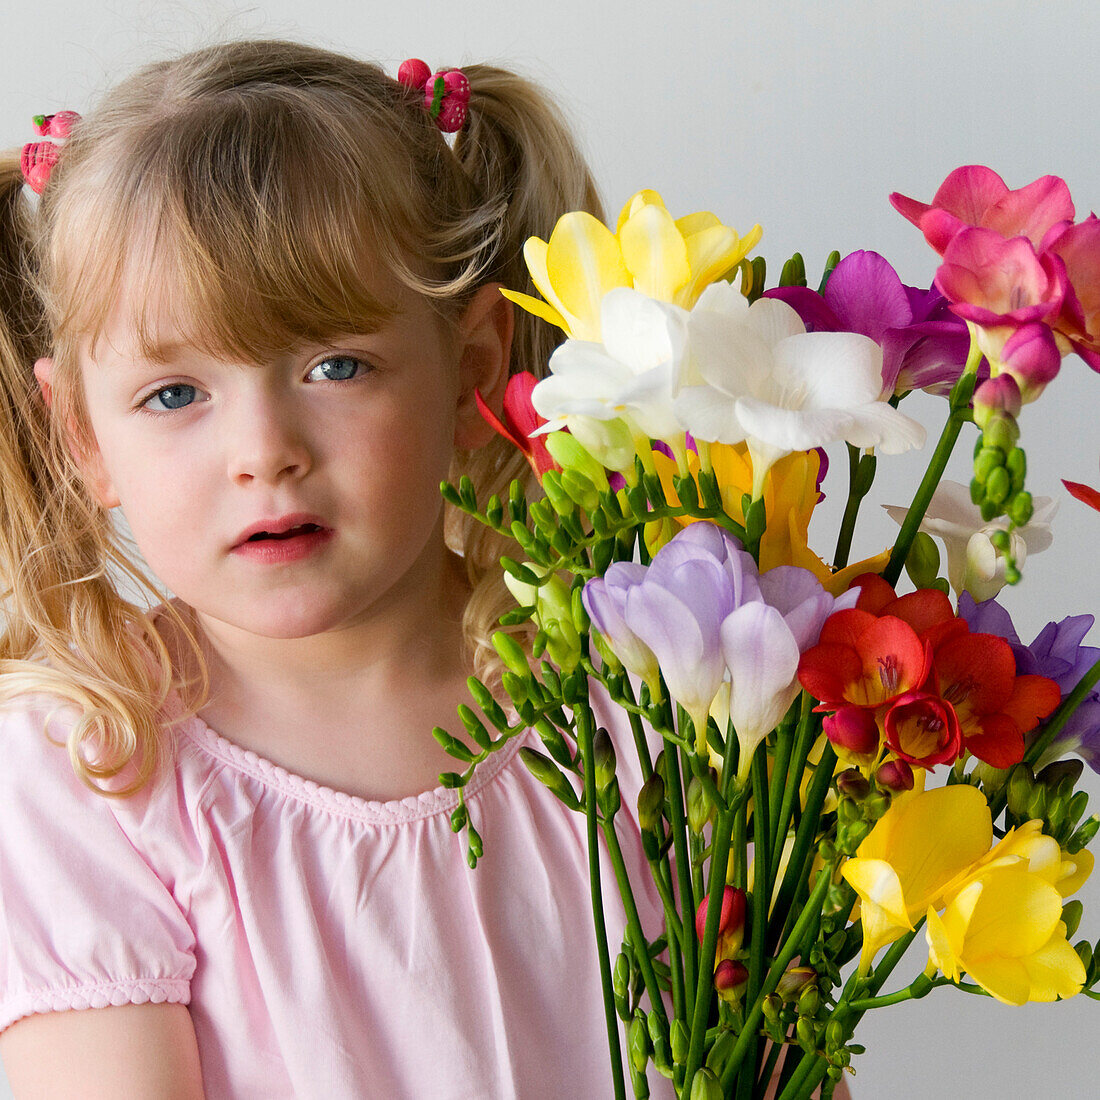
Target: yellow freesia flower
1005, 930
671, 260
790, 497
1028, 846
917, 848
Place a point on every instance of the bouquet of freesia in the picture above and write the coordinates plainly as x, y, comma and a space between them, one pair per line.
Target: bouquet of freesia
829, 767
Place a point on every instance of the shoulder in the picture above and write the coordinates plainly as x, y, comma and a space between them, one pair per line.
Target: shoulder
84, 919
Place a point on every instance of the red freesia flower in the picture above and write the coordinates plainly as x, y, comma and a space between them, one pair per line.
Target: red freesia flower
1085, 493
519, 420
934, 688
923, 729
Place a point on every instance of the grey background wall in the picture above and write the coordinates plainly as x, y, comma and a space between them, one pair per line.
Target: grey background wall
800, 116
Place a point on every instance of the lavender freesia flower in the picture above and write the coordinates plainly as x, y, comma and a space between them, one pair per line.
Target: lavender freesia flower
1057, 653
924, 345
705, 615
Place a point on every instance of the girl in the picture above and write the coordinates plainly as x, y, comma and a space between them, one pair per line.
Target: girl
251, 309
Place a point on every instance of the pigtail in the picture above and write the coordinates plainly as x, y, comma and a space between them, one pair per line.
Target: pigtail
527, 166
66, 632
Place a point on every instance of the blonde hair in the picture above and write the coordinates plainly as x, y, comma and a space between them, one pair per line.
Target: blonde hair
252, 179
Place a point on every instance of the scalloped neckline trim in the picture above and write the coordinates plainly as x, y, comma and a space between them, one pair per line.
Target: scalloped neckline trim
416, 807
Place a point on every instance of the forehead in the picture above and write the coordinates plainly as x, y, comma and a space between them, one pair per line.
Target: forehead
161, 302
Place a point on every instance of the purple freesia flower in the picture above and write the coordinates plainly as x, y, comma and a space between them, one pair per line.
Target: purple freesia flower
924, 345
704, 614
1056, 653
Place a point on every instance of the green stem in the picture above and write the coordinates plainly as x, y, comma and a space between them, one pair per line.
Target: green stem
959, 414
633, 921
803, 743
674, 789
810, 1071
585, 729
921, 987
760, 895
720, 842
861, 475
804, 841
794, 945
784, 744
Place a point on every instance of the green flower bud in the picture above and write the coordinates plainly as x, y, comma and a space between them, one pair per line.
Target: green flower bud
560, 500
603, 758
923, 561
1084, 834
1037, 803
998, 485
795, 981
547, 773
512, 654
1001, 433
1077, 806
638, 1042
651, 803
1021, 780
705, 1086
620, 976
1071, 916
1016, 464
809, 1001
568, 452
679, 1040
699, 807
988, 459
1021, 508
806, 1034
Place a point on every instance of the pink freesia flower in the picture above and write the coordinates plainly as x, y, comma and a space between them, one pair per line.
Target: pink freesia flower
976, 196
997, 282
1078, 247
1031, 357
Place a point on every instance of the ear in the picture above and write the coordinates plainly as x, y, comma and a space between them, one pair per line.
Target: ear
485, 337
87, 456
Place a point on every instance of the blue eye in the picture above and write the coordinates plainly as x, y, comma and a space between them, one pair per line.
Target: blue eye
336, 368
178, 396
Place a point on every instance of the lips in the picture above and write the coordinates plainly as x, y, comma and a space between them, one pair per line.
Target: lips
280, 529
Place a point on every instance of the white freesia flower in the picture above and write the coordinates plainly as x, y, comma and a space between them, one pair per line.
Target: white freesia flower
973, 564
753, 374
629, 376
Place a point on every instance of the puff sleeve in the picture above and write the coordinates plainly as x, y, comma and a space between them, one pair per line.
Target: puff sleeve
85, 920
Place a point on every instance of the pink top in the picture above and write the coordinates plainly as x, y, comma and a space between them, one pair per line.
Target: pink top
327, 946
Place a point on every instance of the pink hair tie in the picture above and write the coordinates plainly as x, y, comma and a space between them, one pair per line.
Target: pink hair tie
446, 93
40, 157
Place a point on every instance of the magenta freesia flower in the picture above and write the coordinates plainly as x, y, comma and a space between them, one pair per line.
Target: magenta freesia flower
976, 196
924, 345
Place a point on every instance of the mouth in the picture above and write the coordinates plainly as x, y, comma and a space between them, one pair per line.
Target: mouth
290, 533
283, 529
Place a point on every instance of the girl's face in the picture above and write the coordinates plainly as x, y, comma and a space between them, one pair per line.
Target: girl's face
301, 494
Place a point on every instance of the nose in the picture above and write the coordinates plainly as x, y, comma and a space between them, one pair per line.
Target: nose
267, 442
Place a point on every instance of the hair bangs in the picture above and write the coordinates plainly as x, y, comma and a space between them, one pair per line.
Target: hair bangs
241, 233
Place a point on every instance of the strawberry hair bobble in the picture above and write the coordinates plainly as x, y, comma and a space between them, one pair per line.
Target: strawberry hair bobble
39, 157
446, 93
